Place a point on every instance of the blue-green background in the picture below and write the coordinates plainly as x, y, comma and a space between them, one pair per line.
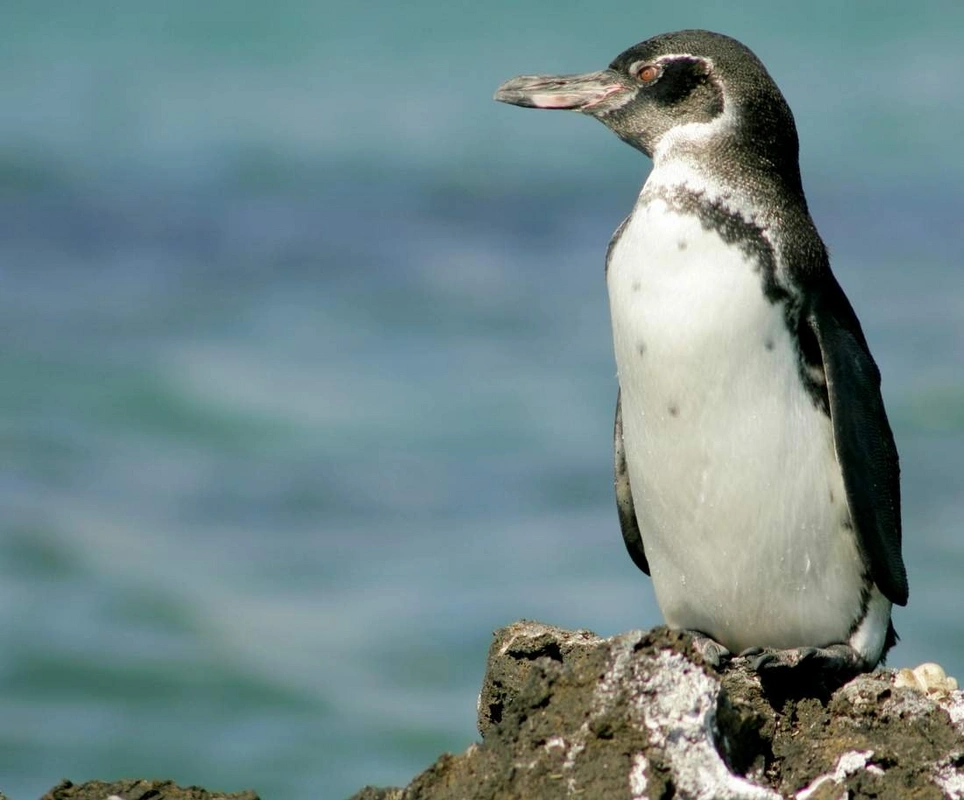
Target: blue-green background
305, 373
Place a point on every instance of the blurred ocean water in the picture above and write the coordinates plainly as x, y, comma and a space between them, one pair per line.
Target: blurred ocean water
307, 375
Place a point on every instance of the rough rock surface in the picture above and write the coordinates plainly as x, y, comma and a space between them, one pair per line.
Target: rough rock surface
138, 790
565, 714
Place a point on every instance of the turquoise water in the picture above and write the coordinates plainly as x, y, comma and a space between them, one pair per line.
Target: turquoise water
308, 381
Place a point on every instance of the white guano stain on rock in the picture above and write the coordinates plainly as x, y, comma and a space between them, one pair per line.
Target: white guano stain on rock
950, 780
638, 780
953, 704
847, 765
677, 705
930, 680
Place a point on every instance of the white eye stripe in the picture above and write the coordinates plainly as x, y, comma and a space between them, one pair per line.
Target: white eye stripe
668, 58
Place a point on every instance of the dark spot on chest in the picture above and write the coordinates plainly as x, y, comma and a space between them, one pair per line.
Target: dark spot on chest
768, 344
673, 410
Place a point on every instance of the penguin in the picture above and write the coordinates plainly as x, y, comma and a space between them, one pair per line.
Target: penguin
756, 474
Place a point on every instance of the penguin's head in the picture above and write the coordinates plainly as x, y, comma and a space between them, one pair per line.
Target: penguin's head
689, 91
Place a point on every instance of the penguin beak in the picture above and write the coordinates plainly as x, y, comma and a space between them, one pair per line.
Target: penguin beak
591, 93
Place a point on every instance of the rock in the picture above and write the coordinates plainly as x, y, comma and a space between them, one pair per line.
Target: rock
566, 714
138, 790
928, 678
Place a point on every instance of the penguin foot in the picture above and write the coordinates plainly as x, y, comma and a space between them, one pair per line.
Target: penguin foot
804, 671
835, 659
710, 650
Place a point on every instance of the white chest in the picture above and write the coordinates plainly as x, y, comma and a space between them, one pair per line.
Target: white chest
738, 493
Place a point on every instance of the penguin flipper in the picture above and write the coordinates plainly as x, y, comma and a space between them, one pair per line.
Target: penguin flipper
863, 440
624, 496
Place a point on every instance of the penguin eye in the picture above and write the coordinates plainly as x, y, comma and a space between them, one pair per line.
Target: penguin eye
648, 73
